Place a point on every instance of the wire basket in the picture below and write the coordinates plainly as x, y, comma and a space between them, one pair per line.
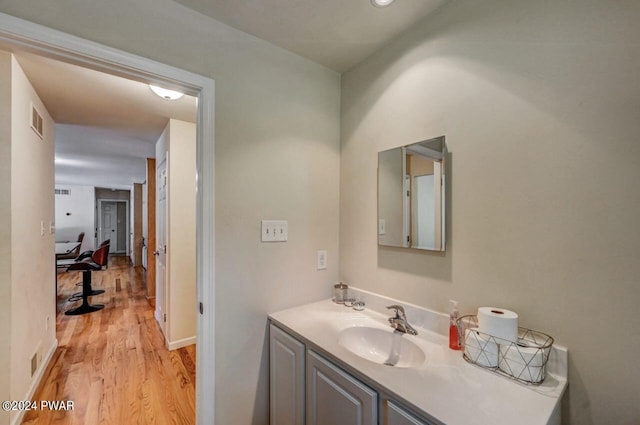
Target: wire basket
524, 360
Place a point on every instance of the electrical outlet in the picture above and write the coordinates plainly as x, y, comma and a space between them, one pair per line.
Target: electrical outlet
41, 228
52, 227
322, 260
47, 323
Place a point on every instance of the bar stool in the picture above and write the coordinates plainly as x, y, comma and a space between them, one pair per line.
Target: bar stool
83, 256
97, 261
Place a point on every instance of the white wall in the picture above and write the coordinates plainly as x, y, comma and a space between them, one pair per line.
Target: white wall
181, 236
32, 254
76, 213
539, 102
5, 230
177, 145
277, 157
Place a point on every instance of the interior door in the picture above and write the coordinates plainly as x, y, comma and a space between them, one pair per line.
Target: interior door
161, 243
109, 222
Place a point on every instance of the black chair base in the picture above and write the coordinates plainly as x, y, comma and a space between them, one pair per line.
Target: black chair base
79, 295
85, 308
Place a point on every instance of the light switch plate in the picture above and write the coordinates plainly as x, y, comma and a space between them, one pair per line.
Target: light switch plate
322, 260
275, 230
382, 226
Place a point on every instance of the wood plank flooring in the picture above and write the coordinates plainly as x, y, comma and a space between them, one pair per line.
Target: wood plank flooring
113, 363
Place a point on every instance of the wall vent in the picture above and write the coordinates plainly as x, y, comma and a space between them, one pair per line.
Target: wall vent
65, 192
36, 121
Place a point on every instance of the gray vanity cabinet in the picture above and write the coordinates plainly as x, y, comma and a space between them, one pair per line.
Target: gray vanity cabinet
335, 397
306, 388
392, 414
286, 369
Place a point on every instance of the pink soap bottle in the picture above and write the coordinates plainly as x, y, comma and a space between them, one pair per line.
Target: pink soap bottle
454, 336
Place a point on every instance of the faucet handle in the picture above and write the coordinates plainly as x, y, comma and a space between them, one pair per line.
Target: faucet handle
399, 310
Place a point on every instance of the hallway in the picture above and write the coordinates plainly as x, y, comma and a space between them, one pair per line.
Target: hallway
113, 363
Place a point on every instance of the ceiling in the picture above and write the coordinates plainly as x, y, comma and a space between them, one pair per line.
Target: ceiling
335, 33
105, 125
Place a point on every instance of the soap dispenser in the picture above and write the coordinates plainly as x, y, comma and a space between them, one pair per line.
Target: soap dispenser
454, 336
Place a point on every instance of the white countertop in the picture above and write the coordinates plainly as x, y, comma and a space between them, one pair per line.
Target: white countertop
445, 386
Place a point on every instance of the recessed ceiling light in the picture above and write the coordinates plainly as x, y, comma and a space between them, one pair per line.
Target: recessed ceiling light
381, 3
166, 93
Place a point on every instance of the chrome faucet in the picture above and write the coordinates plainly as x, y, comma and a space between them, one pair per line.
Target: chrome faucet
399, 321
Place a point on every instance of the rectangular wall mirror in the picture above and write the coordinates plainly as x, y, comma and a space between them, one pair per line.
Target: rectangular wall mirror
411, 195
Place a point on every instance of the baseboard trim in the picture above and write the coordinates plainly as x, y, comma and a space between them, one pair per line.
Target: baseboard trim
36, 382
174, 345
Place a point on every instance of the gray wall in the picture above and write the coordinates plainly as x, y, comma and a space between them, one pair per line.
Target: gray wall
539, 102
277, 157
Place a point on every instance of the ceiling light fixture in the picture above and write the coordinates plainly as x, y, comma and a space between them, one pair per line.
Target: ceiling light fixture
381, 3
166, 93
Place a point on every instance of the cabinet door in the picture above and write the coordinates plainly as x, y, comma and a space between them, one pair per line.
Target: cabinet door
335, 397
286, 367
396, 415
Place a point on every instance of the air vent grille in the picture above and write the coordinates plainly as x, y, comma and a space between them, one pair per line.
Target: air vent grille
65, 192
36, 121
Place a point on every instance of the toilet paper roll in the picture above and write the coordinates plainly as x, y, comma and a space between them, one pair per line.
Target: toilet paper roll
498, 322
522, 362
480, 349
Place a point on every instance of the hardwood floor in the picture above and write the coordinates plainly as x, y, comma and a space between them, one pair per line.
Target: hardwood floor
112, 363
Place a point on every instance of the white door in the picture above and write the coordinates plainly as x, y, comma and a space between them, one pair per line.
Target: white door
161, 243
109, 222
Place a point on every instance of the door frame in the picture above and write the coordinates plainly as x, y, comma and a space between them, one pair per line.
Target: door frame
18, 34
128, 229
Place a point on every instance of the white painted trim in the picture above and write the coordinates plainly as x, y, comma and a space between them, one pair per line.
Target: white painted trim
21, 34
36, 381
174, 345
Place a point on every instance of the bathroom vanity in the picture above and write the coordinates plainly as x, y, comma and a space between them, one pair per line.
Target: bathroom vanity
327, 366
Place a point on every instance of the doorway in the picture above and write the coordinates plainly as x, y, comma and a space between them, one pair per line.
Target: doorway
18, 34
113, 224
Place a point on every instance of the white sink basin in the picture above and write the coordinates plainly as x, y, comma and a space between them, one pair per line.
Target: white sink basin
382, 346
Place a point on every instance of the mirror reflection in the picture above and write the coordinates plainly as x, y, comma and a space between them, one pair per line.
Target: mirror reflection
411, 195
